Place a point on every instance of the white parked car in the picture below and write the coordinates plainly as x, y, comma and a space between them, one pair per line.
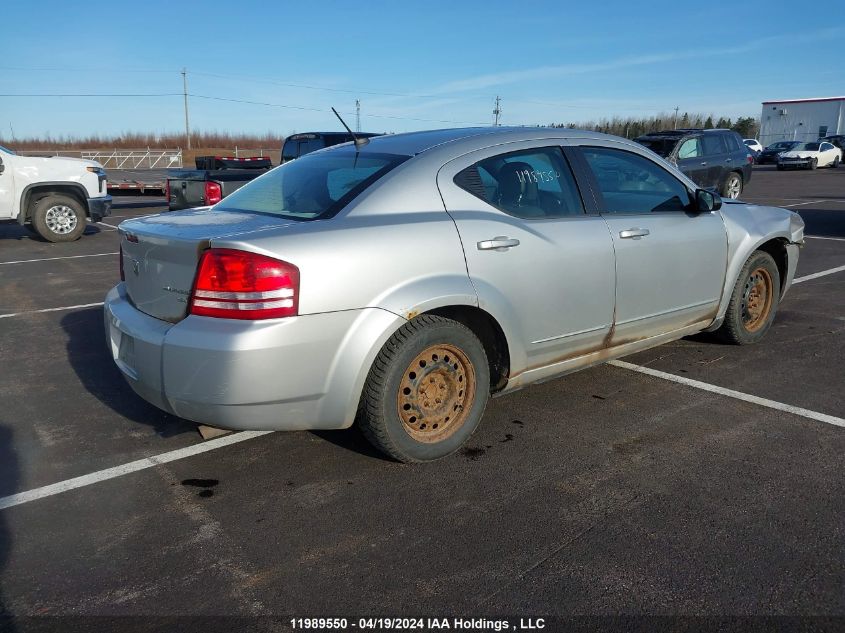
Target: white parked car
53, 197
811, 155
753, 144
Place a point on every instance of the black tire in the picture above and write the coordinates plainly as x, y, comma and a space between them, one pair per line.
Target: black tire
739, 326
814, 163
835, 162
58, 218
379, 416
780, 167
733, 186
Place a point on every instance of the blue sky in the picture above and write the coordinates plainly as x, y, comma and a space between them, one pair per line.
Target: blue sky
413, 65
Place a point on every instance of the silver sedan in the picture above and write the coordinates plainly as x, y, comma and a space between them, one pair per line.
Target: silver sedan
399, 283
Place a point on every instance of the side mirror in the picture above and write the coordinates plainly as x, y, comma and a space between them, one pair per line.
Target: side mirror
2, 166
706, 201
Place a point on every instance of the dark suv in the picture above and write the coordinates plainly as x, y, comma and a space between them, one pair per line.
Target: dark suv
298, 145
713, 159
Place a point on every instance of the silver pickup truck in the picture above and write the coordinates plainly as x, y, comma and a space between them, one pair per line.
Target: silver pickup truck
401, 282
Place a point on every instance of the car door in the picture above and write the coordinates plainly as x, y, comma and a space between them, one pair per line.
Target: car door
670, 262
7, 185
828, 154
718, 159
541, 266
690, 160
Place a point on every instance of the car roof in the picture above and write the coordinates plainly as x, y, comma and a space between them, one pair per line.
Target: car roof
459, 140
683, 132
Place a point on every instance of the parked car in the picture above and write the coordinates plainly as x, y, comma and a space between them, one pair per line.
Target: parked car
714, 159
753, 146
214, 178
298, 145
771, 152
403, 283
810, 156
53, 197
837, 139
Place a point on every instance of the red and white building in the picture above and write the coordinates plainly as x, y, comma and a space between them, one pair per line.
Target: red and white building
801, 119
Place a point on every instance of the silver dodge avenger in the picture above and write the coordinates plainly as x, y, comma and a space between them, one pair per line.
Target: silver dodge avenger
398, 283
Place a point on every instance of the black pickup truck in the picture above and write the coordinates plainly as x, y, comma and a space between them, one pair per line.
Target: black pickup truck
214, 178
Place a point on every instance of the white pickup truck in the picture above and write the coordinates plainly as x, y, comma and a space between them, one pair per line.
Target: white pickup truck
53, 197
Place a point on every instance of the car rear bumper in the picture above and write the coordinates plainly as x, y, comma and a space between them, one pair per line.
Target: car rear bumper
297, 373
99, 207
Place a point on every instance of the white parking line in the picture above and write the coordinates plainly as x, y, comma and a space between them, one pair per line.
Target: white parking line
124, 469
801, 204
722, 391
822, 237
822, 273
81, 305
111, 228
50, 259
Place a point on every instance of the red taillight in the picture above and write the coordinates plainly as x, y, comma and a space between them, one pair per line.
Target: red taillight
213, 193
750, 159
122, 275
167, 190
241, 285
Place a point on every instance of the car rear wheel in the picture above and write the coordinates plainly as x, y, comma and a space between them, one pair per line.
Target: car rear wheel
754, 301
426, 391
835, 162
733, 186
58, 218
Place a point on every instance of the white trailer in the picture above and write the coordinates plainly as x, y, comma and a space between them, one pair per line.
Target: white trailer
801, 119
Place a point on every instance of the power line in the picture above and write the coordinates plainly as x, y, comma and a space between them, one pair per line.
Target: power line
91, 94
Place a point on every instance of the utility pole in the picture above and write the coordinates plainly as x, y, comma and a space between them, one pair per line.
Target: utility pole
357, 115
185, 95
497, 112
675, 120
12, 130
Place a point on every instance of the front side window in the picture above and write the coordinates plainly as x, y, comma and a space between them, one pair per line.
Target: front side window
530, 184
690, 148
312, 187
630, 183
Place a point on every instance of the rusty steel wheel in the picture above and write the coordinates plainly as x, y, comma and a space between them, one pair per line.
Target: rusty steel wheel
754, 301
436, 393
757, 299
426, 390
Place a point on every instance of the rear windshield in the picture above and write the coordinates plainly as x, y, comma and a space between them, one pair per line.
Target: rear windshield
312, 187
660, 146
8, 151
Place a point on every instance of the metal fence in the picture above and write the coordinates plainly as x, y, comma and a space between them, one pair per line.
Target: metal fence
120, 158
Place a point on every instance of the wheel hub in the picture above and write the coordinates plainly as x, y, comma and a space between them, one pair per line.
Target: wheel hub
436, 393
757, 299
60, 219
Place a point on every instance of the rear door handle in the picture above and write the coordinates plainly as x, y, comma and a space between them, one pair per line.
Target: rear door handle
729, 160
498, 243
704, 163
633, 234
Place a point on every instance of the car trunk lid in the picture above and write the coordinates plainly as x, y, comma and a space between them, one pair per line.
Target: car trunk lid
161, 252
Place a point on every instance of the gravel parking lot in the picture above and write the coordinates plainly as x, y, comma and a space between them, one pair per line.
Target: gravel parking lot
611, 491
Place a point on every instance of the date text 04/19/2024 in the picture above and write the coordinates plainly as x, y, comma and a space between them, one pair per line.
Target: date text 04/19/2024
418, 624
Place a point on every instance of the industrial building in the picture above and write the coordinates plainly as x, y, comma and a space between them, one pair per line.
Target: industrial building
801, 119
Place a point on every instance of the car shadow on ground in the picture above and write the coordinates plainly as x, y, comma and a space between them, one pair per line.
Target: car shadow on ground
91, 360
14, 231
8, 485
352, 439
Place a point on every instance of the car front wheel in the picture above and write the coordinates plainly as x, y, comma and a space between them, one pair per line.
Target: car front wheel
58, 218
426, 391
814, 163
733, 186
754, 301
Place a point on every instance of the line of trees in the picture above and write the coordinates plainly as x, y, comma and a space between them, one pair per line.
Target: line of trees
139, 140
632, 127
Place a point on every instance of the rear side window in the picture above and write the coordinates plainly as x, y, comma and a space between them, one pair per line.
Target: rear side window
312, 187
630, 183
713, 144
529, 184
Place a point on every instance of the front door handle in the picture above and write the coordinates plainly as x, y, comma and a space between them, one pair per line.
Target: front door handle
498, 243
729, 160
633, 234
704, 163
